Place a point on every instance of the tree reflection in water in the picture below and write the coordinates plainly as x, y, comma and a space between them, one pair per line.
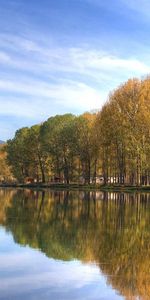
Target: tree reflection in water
109, 229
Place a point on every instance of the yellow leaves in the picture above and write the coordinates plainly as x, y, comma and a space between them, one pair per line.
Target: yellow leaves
5, 172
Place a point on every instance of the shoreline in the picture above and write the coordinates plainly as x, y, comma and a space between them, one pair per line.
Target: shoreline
97, 187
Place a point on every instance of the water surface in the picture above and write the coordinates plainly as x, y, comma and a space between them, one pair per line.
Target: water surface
74, 245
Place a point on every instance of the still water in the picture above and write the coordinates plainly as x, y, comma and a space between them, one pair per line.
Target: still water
74, 245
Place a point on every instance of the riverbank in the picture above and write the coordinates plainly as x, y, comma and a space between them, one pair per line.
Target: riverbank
91, 187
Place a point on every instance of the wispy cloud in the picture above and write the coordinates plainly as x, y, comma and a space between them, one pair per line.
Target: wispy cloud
95, 70
142, 7
46, 80
71, 95
4, 58
81, 60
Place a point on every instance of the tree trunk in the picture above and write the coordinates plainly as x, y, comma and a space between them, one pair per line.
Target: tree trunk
41, 168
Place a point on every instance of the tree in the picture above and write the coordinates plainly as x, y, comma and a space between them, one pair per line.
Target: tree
57, 141
17, 154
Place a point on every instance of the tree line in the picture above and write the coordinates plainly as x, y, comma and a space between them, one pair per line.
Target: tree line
112, 145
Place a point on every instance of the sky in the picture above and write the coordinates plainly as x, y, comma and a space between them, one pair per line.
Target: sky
60, 56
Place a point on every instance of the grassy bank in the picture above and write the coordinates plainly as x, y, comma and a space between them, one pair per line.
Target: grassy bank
91, 187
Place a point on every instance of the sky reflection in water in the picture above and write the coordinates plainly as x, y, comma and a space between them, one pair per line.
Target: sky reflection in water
29, 274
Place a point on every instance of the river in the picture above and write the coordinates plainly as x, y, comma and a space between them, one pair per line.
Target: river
74, 245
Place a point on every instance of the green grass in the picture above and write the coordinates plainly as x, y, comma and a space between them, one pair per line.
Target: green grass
85, 187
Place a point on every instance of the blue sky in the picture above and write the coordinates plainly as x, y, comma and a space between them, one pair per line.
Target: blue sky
59, 56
